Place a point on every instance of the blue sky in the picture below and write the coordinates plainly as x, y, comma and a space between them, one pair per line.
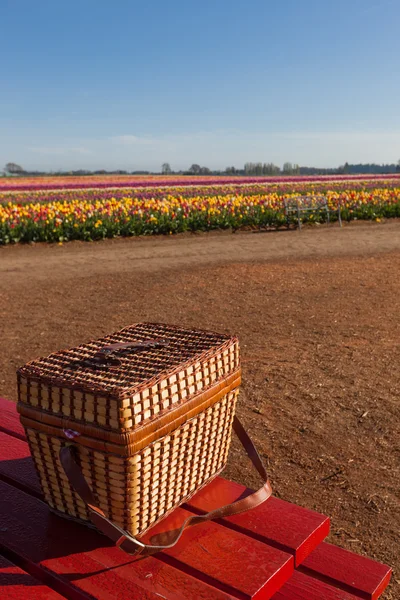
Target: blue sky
127, 84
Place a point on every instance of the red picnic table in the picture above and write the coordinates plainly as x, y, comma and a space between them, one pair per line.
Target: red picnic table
273, 551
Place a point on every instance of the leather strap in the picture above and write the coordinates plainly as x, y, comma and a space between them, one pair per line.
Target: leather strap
166, 540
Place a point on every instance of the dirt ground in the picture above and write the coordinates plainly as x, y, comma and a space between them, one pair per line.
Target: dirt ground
318, 316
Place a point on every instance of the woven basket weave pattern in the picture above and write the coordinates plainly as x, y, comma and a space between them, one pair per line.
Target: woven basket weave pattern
141, 388
149, 410
137, 491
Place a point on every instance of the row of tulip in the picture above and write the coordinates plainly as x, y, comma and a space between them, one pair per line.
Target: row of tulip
245, 189
79, 219
130, 181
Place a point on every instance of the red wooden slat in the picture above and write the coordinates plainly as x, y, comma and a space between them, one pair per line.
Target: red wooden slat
360, 575
229, 559
303, 587
9, 419
289, 527
277, 522
16, 584
19, 471
80, 560
16, 465
285, 525
280, 522
293, 528
289, 523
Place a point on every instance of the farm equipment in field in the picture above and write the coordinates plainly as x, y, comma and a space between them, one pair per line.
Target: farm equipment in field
309, 205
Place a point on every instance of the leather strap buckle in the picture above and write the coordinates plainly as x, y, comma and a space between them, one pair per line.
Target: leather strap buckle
127, 538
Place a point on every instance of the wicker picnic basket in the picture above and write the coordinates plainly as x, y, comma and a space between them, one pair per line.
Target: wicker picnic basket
124, 429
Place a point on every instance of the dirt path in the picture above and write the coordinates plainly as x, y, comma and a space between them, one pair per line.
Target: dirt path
317, 313
153, 254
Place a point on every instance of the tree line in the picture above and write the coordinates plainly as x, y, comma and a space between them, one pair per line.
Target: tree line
250, 168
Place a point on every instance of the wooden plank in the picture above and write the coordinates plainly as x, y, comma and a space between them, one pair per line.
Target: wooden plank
273, 526
303, 587
286, 526
270, 572
16, 584
289, 527
228, 559
80, 561
359, 575
16, 465
9, 419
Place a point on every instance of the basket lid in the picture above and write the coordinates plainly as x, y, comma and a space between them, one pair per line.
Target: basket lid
136, 358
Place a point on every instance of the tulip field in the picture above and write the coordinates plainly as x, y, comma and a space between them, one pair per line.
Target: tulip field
59, 210
133, 181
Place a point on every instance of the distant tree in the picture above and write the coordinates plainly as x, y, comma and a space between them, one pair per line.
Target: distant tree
260, 169
195, 169
398, 167
253, 168
287, 168
14, 168
230, 170
204, 171
166, 169
275, 169
82, 172
248, 168
270, 169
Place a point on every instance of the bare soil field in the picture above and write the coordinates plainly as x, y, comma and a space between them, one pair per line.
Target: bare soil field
318, 317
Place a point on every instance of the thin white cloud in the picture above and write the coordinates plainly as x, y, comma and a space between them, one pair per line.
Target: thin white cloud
214, 149
132, 140
337, 136
210, 136
58, 150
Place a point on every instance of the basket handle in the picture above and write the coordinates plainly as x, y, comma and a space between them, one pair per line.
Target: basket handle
166, 540
104, 359
111, 348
